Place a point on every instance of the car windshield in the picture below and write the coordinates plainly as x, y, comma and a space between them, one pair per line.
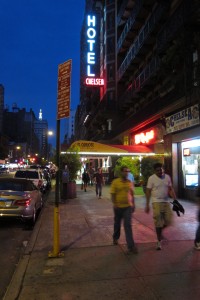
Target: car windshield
27, 174
12, 186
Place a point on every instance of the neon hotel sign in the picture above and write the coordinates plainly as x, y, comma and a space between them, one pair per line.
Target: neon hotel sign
91, 55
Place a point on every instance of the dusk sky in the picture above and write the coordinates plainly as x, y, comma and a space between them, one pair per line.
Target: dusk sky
35, 37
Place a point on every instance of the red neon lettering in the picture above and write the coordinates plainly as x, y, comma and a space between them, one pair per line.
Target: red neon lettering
144, 137
94, 81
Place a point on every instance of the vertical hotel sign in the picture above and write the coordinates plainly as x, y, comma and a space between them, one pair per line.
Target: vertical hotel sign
91, 33
64, 89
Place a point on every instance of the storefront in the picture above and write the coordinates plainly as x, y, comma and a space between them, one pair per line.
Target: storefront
95, 155
151, 137
183, 130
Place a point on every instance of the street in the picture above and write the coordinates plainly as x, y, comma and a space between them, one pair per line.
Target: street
93, 268
14, 236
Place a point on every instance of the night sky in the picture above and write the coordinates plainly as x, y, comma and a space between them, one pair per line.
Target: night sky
35, 37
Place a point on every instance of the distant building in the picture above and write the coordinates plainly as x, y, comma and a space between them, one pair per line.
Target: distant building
41, 131
18, 126
70, 128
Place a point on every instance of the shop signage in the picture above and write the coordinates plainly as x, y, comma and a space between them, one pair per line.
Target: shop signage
144, 137
84, 147
183, 119
88, 146
186, 152
126, 140
91, 54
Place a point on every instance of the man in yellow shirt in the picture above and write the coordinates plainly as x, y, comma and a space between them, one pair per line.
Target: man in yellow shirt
122, 196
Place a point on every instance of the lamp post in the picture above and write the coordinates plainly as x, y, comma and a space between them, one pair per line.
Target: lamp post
18, 148
50, 133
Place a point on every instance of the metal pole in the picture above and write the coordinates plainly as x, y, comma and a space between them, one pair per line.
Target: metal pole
57, 163
56, 239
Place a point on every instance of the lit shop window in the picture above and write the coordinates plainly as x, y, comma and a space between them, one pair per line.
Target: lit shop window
191, 162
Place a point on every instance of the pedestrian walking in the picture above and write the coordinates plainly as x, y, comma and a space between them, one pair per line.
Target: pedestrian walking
122, 195
91, 172
85, 180
159, 187
130, 177
99, 181
197, 235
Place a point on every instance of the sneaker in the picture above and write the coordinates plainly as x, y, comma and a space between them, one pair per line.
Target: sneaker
132, 250
197, 245
158, 246
115, 242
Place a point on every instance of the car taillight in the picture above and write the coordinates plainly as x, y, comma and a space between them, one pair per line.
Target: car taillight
23, 202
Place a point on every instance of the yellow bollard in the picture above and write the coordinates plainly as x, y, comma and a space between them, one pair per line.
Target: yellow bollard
56, 238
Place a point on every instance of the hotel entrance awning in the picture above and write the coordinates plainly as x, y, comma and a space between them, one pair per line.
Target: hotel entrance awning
89, 147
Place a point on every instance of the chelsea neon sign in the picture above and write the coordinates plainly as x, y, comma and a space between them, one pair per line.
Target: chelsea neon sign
91, 55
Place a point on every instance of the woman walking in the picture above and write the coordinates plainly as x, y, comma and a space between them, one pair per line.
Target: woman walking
85, 179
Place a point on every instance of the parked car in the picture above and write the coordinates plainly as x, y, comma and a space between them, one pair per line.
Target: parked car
20, 198
4, 170
47, 176
35, 175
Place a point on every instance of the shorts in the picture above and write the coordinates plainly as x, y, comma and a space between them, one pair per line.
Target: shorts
162, 214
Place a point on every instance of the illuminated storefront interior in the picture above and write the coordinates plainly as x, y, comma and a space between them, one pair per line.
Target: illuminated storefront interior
191, 162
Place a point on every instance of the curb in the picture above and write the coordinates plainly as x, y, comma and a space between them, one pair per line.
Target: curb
14, 287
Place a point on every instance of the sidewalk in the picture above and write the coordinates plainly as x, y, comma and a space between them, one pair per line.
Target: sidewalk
94, 269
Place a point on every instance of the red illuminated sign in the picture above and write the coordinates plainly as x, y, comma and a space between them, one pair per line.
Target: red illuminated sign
144, 137
94, 81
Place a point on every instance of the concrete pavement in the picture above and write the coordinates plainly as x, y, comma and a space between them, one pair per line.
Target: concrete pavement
93, 268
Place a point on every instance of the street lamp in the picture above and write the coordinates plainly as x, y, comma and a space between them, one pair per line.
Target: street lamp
18, 148
50, 133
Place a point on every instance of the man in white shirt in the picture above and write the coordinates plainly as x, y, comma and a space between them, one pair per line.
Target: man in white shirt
159, 187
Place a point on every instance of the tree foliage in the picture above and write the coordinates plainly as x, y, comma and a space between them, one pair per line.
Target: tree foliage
147, 164
132, 163
71, 159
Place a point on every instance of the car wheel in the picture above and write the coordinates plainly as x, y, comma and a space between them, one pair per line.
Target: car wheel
33, 219
29, 224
